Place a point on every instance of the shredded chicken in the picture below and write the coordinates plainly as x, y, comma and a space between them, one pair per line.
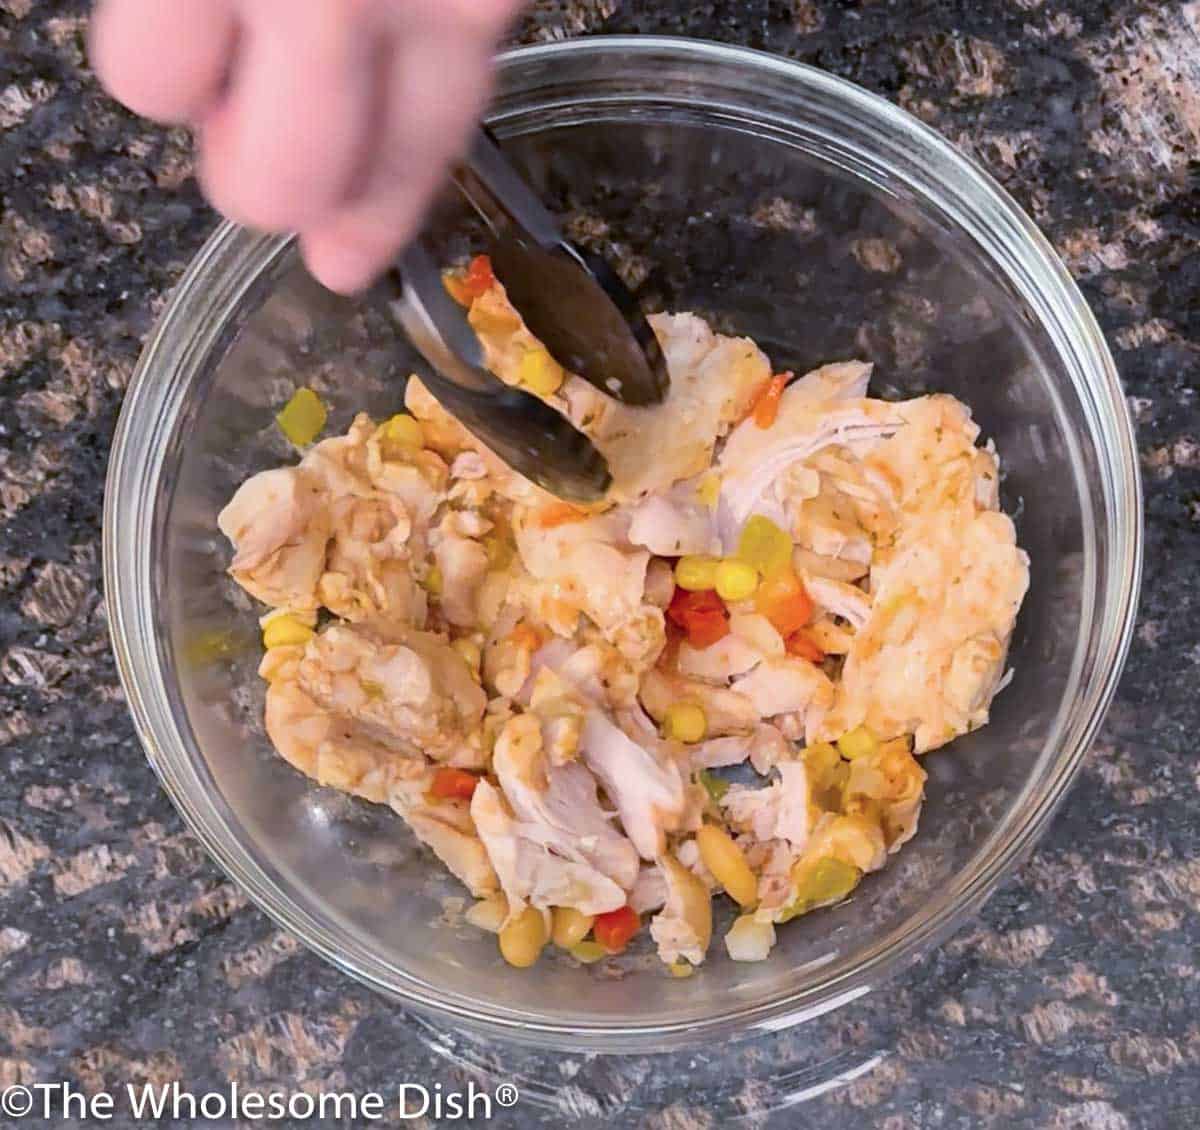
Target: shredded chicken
561, 709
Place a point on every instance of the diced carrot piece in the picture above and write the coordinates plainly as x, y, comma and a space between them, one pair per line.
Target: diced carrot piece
781, 598
802, 644
555, 514
453, 784
765, 405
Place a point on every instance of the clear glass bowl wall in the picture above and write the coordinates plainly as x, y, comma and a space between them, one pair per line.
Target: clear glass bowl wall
780, 203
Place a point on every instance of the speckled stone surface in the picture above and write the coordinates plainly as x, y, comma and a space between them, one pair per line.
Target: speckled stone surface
125, 955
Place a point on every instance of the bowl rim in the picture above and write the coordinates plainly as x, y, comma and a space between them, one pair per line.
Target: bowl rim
131, 494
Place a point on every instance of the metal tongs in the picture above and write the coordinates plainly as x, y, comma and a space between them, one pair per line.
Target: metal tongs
572, 301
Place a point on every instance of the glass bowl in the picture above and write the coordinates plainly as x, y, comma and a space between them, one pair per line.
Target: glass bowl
781, 203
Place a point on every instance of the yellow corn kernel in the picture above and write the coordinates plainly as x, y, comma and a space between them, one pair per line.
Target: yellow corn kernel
821, 759
570, 927
859, 742
695, 572
685, 722
472, 654
709, 490
681, 969
302, 418
540, 373
283, 630
736, 580
588, 952
403, 431
521, 941
433, 581
764, 545
728, 865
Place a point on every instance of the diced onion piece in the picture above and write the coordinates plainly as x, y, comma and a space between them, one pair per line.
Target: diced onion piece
723, 857
685, 722
489, 913
764, 545
521, 941
570, 927
302, 418
749, 940
756, 630
696, 572
282, 631
859, 742
736, 580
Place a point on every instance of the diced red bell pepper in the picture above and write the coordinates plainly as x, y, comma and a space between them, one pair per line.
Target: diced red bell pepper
453, 784
614, 929
701, 614
473, 283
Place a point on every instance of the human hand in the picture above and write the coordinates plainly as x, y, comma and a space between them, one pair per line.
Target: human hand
335, 119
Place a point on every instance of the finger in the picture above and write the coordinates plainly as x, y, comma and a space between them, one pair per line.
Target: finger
282, 148
436, 86
165, 59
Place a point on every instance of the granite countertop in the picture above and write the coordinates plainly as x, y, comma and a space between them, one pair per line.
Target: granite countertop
125, 955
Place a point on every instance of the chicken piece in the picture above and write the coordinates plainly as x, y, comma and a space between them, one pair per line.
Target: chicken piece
649, 892
719, 662
464, 564
713, 379
688, 853
643, 781
405, 688
335, 752
810, 564
831, 638
780, 811
945, 592
444, 826
755, 461
719, 753
842, 599
449, 438
683, 928
528, 872
892, 778
674, 523
557, 805
725, 711
367, 573
782, 686
279, 529
827, 525
768, 747
582, 561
